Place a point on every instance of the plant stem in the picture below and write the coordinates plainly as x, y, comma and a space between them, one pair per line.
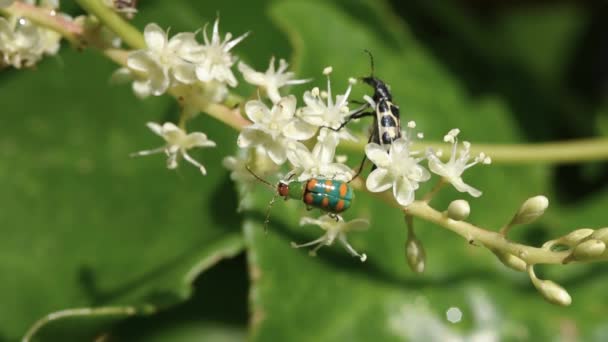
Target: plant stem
117, 24
47, 18
561, 152
573, 151
78, 312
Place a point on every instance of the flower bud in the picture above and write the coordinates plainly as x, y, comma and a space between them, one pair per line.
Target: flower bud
589, 249
550, 290
459, 210
530, 210
574, 237
553, 292
416, 257
600, 234
510, 260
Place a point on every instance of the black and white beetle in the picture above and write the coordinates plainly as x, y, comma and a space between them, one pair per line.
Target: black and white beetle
387, 125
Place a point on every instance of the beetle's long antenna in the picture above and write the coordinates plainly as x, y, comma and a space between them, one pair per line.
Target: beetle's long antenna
260, 178
371, 59
267, 220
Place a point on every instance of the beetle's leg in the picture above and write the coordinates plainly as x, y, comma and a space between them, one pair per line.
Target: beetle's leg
372, 137
355, 115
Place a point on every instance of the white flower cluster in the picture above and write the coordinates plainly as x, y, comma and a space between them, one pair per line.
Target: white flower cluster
23, 43
280, 130
399, 168
182, 60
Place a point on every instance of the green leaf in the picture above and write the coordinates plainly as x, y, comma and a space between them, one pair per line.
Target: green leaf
85, 224
335, 297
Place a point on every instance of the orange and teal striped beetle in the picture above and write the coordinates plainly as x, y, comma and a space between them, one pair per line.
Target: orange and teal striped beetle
329, 195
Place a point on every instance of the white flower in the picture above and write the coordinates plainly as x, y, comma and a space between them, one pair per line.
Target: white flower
453, 169
272, 129
317, 164
23, 43
335, 227
163, 63
396, 169
178, 143
6, 3
213, 59
18, 41
271, 80
321, 110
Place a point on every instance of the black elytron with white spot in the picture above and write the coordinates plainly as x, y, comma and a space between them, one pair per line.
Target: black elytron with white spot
387, 124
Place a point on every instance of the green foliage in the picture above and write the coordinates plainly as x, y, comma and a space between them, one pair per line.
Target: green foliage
85, 225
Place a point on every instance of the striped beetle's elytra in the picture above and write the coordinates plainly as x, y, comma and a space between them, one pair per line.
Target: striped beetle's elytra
329, 195
387, 122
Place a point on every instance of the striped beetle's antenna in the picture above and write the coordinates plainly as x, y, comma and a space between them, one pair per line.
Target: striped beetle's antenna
371, 60
267, 220
260, 178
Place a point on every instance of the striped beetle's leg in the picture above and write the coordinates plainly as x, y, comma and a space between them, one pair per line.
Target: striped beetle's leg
355, 115
372, 138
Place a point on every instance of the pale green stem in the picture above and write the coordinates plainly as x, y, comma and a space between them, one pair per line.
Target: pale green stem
117, 24
561, 152
79, 312
574, 151
47, 18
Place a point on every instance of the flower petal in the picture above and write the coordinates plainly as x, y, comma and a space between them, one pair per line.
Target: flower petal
377, 155
156, 128
299, 156
356, 224
284, 109
257, 111
461, 186
276, 152
250, 136
379, 180
155, 37
403, 191
299, 130
197, 139
250, 75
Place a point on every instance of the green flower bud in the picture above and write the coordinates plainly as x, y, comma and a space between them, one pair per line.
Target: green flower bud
530, 210
510, 260
553, 292
600, 234
589, 249
575, 237
550, 290
416, 257
459, 210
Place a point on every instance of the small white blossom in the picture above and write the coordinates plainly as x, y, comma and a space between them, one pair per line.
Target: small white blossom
213, 59
23, 43
272, 129
396, 169
335, 227
453, 169
318, 163
162, 64
178, 143
271, 80
321, 110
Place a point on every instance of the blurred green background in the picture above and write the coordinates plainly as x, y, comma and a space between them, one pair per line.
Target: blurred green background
85, 225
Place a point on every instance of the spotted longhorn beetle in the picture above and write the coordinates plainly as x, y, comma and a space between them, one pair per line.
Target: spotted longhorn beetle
387, 125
